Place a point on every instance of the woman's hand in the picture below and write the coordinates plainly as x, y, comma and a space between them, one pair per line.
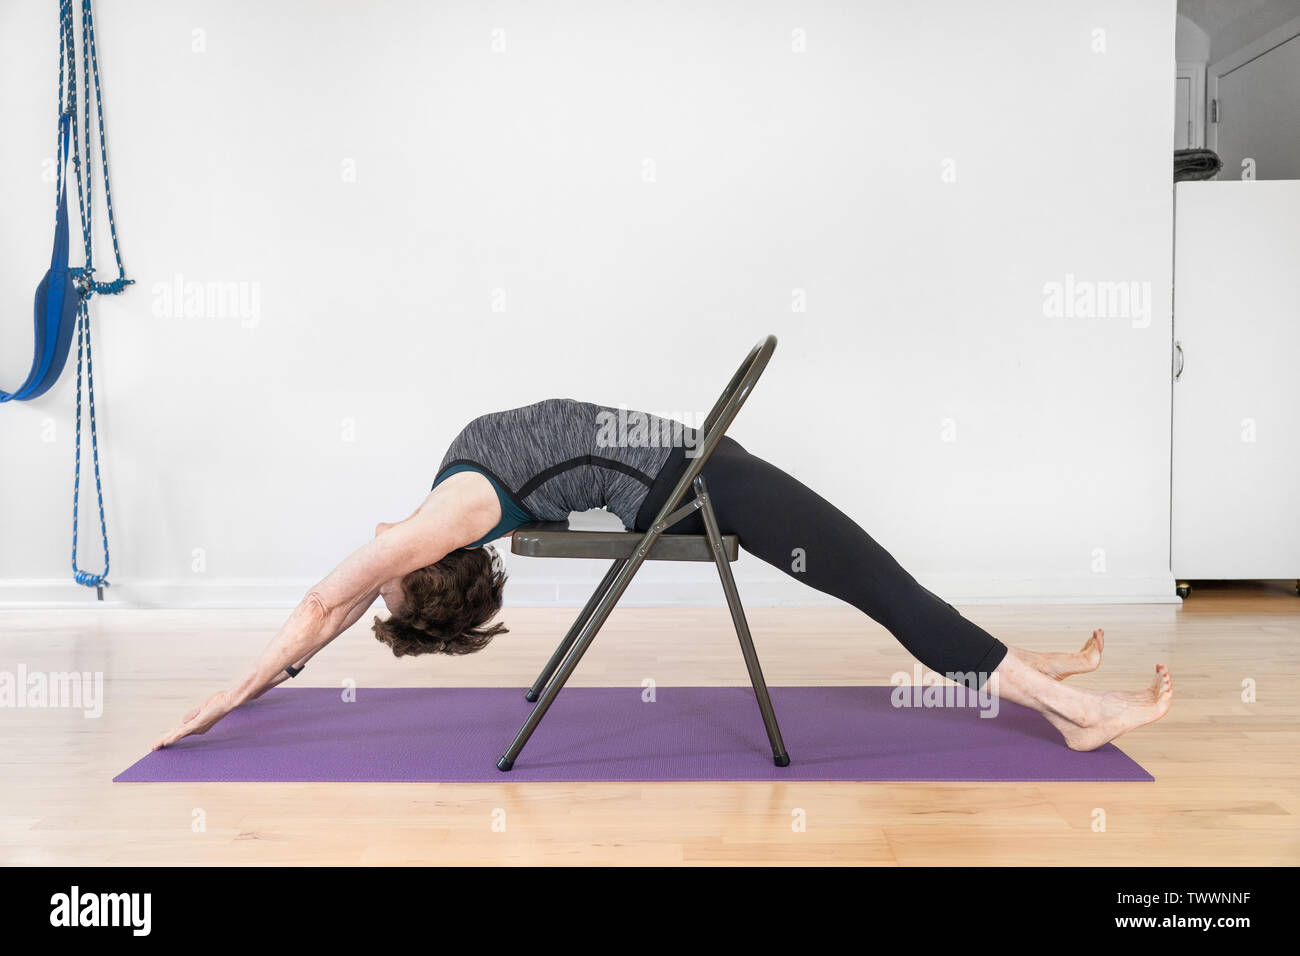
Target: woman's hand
199, 720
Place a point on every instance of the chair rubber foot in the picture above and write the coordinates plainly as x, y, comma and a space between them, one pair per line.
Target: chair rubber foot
530, 696
781, 760
505, 764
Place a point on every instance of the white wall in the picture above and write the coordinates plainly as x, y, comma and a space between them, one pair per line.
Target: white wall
523, 171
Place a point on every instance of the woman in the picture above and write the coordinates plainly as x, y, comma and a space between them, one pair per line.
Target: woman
543, 461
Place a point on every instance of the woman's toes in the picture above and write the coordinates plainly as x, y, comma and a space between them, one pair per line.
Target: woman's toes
1089, 655
1162, 686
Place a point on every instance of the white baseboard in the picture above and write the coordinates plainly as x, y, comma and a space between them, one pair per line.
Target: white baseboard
220, 593
782, 591
657, 585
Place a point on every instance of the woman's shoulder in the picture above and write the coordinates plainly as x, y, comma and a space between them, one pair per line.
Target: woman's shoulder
544, 404
548, 416
546, 408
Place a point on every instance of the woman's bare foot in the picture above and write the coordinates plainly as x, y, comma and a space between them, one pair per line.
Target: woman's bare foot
1060, 666
1105, 716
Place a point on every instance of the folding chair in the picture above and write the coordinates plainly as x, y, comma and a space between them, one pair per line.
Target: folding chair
628, 550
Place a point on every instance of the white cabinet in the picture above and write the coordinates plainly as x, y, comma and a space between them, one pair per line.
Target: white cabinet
1236, 393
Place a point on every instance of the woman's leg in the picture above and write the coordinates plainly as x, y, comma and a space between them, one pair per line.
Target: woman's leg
791, 527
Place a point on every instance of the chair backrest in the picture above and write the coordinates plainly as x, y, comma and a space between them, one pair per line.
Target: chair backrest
720, 418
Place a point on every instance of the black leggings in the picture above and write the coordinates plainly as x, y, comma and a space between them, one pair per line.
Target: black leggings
791, 527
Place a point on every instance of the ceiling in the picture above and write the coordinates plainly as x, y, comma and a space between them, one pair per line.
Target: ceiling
1213, 15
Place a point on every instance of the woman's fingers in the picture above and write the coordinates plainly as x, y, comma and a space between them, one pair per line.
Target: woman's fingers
197, 721
166, 740
186, 729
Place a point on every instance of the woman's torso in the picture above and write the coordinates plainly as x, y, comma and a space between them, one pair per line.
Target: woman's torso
559, 456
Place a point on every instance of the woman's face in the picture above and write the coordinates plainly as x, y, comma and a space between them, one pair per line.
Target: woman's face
391, 590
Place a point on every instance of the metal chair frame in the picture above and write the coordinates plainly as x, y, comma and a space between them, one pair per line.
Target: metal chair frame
580, 636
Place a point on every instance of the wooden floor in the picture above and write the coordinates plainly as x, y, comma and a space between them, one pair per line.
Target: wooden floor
1227, 787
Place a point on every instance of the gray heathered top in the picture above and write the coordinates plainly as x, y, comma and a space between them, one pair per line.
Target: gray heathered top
559, 456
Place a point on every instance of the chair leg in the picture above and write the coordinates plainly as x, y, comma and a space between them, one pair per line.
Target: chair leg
779, 756
574, 631
589, 631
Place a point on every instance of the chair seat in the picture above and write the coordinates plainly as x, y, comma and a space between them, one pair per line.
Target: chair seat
555, 539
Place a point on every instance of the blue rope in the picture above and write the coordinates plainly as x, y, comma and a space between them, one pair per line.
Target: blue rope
84, 277
97, 581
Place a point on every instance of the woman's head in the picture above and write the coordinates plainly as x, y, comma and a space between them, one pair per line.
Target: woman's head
445, 608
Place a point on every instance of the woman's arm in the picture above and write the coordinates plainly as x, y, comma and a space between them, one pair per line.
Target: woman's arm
285, 675
454, 514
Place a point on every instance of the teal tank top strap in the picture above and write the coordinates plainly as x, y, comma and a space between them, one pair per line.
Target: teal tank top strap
513, 514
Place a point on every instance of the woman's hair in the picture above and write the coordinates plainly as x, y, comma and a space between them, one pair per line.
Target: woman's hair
446, 605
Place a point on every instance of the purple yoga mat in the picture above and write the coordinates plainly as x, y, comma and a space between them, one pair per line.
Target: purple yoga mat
456, 734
